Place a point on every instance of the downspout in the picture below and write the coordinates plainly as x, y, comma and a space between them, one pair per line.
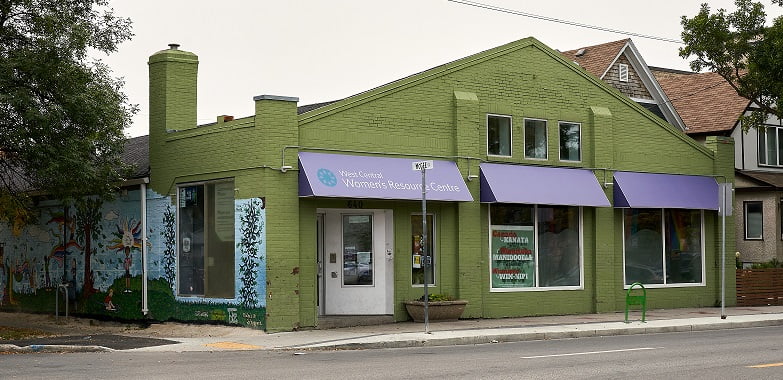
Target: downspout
144, 309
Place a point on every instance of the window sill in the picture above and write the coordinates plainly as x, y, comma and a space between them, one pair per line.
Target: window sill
534, 289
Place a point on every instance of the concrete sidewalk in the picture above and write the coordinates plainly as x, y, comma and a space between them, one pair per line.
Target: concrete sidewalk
163, 337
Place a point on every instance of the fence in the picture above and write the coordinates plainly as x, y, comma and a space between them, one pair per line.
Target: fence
760, 287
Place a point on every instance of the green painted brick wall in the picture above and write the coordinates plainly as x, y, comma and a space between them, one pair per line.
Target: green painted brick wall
442, 113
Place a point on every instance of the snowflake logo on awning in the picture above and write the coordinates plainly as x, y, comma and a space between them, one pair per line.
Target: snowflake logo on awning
327, 177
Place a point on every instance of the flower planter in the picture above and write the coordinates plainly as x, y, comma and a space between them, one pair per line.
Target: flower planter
438, 310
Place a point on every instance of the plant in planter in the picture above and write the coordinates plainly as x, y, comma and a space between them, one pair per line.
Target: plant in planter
441, 307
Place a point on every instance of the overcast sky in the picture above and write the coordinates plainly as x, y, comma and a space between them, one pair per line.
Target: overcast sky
322, 50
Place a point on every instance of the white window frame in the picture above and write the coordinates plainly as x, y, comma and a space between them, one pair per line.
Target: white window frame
623, 74
524, 138
559, 145
762, 150
538, 288
663, 254
745, 204
510, 133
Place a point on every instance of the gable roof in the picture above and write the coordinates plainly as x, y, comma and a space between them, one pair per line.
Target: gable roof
320, 110
705, 101
599, 59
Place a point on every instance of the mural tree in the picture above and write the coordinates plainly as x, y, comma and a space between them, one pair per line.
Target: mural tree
251, 226
169, 256
88, 227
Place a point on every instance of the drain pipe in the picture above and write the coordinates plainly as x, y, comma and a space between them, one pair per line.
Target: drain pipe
144, 309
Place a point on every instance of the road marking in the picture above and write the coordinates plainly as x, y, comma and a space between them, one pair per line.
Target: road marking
233, 346
766, 365
591, 352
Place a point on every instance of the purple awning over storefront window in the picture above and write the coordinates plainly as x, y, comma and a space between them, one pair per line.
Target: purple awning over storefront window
540, 185
347, 176
647, 190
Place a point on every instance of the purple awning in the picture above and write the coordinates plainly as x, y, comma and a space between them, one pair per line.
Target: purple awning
344, 176
646, 190
540, 185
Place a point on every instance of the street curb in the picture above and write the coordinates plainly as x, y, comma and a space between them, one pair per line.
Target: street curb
570, 332
51, 348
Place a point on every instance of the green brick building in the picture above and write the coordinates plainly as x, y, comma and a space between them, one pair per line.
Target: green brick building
516, 119
549, 193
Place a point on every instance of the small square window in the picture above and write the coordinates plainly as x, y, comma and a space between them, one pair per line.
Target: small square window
498, 135
570, 141
535, 139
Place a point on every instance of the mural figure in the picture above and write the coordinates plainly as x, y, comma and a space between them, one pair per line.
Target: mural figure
127, 237
108, 301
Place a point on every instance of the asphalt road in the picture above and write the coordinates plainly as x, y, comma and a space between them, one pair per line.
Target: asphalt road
754, 353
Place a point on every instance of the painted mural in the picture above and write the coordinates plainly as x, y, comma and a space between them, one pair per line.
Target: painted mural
89, 252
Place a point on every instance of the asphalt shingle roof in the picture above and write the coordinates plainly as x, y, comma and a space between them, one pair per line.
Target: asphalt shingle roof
596, 59
769, 178
705, 101
137, 154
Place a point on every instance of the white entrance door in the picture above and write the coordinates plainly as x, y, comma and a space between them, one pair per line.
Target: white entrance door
357, 262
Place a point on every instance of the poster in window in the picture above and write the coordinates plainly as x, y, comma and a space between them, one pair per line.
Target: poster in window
512, 264
224, 210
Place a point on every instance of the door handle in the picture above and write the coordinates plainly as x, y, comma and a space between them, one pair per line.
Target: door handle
334, 274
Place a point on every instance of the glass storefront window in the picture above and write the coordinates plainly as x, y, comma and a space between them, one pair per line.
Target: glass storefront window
683, 246
643, 246
663, 246
206, 240
534, 246
417, 259
558, 246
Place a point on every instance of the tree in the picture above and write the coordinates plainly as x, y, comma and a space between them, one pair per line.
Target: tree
62, 115
743, 50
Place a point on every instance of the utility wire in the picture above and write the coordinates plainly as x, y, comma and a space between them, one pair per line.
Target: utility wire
566, 22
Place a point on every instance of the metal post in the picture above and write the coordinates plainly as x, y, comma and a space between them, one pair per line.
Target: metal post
424, 247
723, 253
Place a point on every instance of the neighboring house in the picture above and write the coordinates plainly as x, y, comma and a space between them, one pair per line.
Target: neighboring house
702, 105
619, 64
709, 106
550, 193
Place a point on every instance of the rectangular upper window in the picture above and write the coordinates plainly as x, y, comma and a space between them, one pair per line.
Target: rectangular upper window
498, 135
754, 220
771, 146
570, 141
663, 246
623, 74
205, 232
535, 139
